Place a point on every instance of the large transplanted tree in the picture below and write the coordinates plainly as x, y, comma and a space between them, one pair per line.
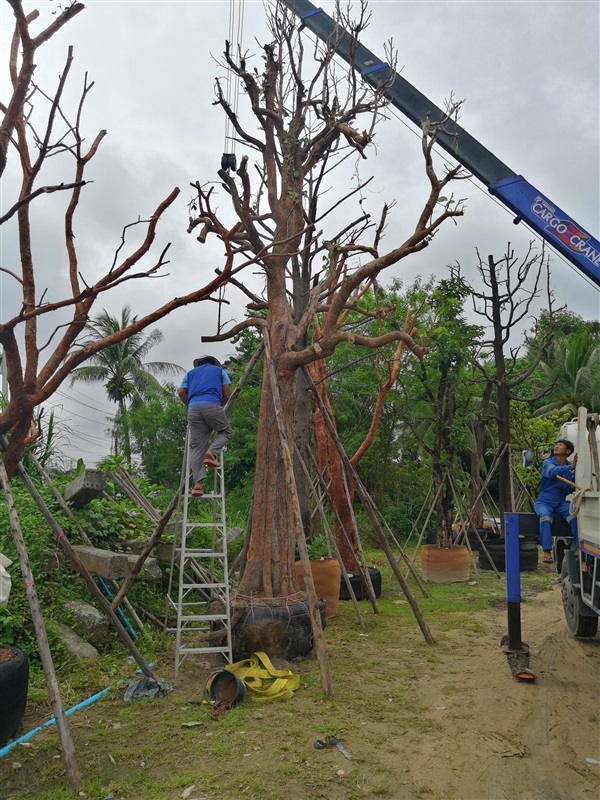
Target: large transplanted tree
304, 121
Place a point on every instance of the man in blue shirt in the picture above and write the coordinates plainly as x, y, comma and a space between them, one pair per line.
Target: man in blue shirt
551, 499
205, 390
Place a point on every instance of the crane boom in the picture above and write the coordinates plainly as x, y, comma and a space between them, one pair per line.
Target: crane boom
524, 200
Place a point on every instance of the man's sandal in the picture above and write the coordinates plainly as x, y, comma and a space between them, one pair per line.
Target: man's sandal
211, 461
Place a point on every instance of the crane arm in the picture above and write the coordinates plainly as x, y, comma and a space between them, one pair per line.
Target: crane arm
524, 200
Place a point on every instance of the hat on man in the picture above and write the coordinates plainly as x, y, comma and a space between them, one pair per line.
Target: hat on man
206, 360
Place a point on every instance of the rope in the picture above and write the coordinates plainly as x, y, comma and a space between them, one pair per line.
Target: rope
234, 36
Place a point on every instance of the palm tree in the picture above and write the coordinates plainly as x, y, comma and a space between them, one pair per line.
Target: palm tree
573, 370
121, 366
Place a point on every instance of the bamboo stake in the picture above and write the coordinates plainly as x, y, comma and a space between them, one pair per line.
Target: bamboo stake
125, 482
403, 555
366, 501
415, 525
457, 500
40, 634
146, 550
77, 562
362, 564
425, 524
469, 514
331, 539
315, 617
366, 574
65, 507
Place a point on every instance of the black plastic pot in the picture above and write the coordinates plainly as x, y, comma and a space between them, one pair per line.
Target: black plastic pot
225, 688
14, 681
528, 555
359, 585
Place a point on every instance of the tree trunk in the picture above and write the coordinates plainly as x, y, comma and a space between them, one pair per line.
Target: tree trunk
476, 504
269, 570
504, 484
125, 426
503, 401
330, 464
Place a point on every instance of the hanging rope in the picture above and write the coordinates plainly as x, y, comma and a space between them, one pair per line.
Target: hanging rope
232, 91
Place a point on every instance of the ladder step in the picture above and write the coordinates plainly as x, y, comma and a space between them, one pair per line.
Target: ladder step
193, 651
191, 525
203, 586
204, 618
193, 553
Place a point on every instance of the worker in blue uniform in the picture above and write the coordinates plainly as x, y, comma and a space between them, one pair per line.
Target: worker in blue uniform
551, 499
205, 390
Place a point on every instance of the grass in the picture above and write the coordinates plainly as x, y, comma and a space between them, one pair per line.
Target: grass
144, 751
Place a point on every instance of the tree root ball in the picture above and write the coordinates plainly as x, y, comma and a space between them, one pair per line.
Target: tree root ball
277, 626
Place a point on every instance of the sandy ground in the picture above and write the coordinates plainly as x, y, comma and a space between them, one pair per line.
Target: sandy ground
499, 738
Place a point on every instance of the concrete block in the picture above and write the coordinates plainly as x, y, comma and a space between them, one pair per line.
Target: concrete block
91, 624
162, 552
234, 533
104, 563
85, 487
76, 647
150, 572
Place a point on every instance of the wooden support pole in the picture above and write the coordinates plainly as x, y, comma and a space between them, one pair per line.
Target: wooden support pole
366, 501
403, 555
78, 564
122, 478
146, 550
361, 561
315, 617
64, 733
366, 575
65, 507
245, 375
331, 539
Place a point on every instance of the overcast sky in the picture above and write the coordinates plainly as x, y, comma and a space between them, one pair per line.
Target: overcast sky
527, 71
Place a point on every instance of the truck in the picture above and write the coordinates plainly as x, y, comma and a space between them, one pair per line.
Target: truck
579, 566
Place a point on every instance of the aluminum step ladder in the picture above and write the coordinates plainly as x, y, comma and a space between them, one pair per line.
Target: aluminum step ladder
199, 579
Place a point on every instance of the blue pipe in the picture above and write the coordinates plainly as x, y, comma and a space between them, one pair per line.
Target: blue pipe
84, 703
120, 614
27, 736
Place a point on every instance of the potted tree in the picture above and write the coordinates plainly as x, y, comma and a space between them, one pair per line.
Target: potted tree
439, 426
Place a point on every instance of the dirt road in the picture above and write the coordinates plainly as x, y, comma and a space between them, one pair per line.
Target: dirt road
498, 738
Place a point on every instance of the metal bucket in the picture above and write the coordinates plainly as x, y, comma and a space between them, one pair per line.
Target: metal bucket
224, 688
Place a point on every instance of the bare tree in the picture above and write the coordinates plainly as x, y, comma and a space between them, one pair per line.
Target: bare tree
308, 118
38, 367
511, 285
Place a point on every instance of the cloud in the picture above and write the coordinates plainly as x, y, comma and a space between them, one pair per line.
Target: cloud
528, 73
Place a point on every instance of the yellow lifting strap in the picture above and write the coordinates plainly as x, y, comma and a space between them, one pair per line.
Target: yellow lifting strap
263, 681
